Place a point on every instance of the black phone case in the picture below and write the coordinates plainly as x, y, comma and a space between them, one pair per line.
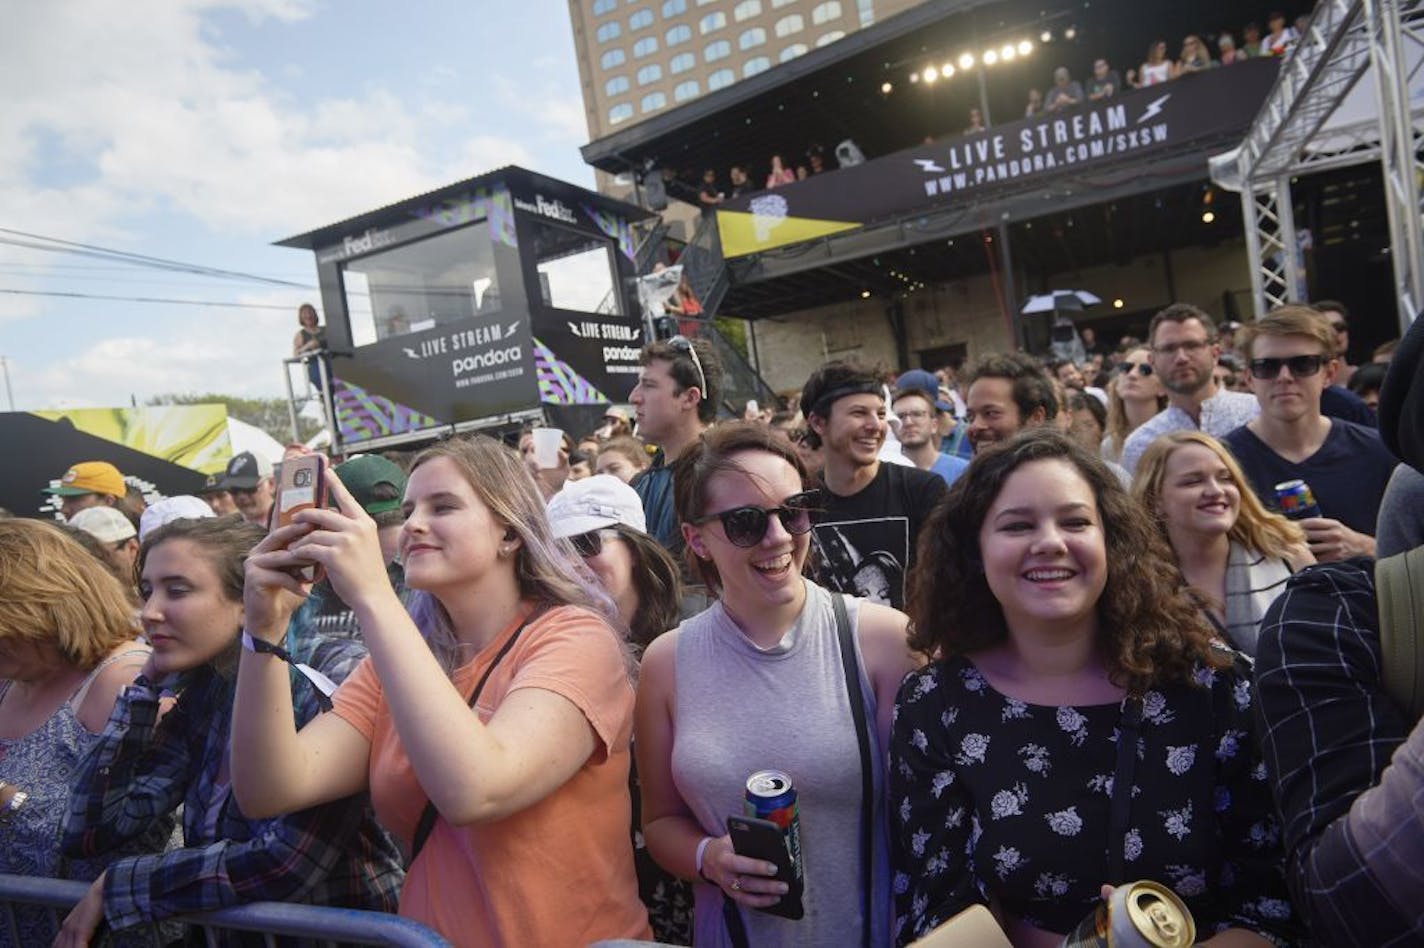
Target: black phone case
762, 839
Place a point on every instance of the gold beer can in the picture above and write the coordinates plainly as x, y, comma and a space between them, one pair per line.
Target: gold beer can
1139, 915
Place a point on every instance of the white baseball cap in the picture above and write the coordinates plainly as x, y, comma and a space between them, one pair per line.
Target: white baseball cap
106, 524
594, 503
182, 507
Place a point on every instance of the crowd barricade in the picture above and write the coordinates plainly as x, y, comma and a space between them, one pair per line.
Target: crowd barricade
327, 926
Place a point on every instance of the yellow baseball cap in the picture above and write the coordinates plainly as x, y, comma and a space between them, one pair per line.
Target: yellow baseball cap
90, 477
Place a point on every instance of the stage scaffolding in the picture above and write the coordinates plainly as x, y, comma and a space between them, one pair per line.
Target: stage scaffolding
1351, 91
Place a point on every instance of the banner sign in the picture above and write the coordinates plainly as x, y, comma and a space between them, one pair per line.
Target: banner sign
1140, 125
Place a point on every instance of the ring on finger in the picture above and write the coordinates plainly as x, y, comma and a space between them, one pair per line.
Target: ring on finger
736, 883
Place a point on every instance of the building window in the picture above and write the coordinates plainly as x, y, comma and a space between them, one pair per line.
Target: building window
826, 12
681, 63
712, 22
829, 38
746, 10
620, 113
600, 7
790, 24
756, 36
641, 19
653, 101
715, 51
645, 47
778, 4
609, 31
673, 7
755, 65
685, 90
615, 86
650, 73
678, 34
614, 57
792, 51
720, 79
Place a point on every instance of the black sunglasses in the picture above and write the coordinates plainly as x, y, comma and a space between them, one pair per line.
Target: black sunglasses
746, 526
1143, 368
1300, 367
591, 543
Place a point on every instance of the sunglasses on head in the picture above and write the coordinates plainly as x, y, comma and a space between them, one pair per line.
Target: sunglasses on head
1126, 368
1300, 366
591, 543
747, 526
684, 344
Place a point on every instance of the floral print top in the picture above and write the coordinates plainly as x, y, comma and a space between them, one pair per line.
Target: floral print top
996, 799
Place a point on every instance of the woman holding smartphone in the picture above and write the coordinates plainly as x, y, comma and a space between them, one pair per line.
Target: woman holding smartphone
148, 762
758, 681
491, 723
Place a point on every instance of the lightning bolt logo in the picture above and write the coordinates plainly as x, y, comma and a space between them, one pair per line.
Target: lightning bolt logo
409, 352
509, 330
572, 328
1154, 108
928, 166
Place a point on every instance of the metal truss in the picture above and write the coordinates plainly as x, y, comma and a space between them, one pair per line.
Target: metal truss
1343, 40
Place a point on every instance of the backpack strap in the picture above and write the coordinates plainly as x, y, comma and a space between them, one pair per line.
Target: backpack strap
1399, 588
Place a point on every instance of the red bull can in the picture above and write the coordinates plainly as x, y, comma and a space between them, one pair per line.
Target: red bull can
772, 796
1139, 915
1296, 500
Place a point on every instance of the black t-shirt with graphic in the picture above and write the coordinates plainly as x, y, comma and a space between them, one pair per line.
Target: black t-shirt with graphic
865, 543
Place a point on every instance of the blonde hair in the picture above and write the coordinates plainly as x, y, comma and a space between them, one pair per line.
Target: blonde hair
1256, 528
1291, 320
546, 569
1116, 428
53, 591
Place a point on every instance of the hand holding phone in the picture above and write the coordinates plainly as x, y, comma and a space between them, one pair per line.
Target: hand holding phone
301, 485
763, 839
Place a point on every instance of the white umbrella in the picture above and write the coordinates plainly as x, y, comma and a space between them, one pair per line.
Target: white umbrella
1059, 299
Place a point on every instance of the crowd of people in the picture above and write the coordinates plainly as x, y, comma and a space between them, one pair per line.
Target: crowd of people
1016, 632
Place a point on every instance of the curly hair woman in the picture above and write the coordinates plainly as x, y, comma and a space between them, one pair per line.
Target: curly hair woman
1070, 665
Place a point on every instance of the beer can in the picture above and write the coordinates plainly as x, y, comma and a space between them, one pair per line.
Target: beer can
772, 796
1296, 500
1139, 915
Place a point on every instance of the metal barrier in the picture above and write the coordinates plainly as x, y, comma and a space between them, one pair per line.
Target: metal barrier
328, 926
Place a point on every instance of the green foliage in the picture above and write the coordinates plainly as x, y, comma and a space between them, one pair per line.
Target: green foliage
734, 331
269, 414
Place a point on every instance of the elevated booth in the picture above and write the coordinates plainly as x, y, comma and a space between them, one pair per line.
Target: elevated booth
482, 305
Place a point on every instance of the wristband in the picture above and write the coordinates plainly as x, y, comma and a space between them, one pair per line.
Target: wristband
325, 687
701, 849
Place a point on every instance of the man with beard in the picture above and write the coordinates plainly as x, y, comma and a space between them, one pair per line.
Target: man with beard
870, 517
919, 407
1184, 354
249, 480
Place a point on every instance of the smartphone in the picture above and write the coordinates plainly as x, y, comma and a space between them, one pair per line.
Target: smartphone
763, 839
301, 485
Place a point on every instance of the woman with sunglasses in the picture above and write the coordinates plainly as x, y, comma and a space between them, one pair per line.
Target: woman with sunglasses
1079, 727
1232, 551
758, 681
603, 519
1134, 396
491, 722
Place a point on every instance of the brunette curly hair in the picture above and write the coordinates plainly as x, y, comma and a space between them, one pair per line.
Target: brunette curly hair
1150, 629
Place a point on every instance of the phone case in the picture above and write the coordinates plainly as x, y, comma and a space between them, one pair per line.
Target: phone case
763, 839
301, 485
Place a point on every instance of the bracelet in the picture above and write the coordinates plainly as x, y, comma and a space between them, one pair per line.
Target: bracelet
701, 849
325, 687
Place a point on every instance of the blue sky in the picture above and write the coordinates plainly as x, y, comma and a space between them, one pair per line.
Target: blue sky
203, 130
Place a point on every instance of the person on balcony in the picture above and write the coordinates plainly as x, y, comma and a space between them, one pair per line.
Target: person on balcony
1195, 57
1105, 83
1066, 92
310, 340
780, 174
1157, 69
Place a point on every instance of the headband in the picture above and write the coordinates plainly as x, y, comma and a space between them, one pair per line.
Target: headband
820, 405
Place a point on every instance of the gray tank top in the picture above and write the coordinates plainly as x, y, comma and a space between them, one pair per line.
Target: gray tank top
739, 709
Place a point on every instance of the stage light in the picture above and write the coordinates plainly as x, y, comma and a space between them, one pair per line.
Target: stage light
1045, 37
1070, 33
1025, 47
1007, 53
990, 57
1117, 303
966, 61
914, 77
947, 70
931, 74
886, 88
865, 294
1208, 217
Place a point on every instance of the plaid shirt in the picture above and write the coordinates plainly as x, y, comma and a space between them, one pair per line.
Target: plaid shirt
331, 854
1352, 853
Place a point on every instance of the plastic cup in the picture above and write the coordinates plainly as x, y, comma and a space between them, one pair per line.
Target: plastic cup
547, 442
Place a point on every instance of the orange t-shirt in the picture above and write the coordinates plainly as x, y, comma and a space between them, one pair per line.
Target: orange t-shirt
559, 872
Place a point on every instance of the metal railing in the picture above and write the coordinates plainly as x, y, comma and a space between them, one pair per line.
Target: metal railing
324, 925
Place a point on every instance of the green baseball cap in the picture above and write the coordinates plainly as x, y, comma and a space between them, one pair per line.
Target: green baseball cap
363, 474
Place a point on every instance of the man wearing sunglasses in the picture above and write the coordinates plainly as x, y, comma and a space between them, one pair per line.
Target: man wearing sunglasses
676, 398
1291, 358
871, 513
249, 480
1184, 349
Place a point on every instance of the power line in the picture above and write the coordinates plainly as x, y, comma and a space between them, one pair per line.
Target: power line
140, 299
56, 245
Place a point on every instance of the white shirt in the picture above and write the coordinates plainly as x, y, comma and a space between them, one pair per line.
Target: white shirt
1224, 412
